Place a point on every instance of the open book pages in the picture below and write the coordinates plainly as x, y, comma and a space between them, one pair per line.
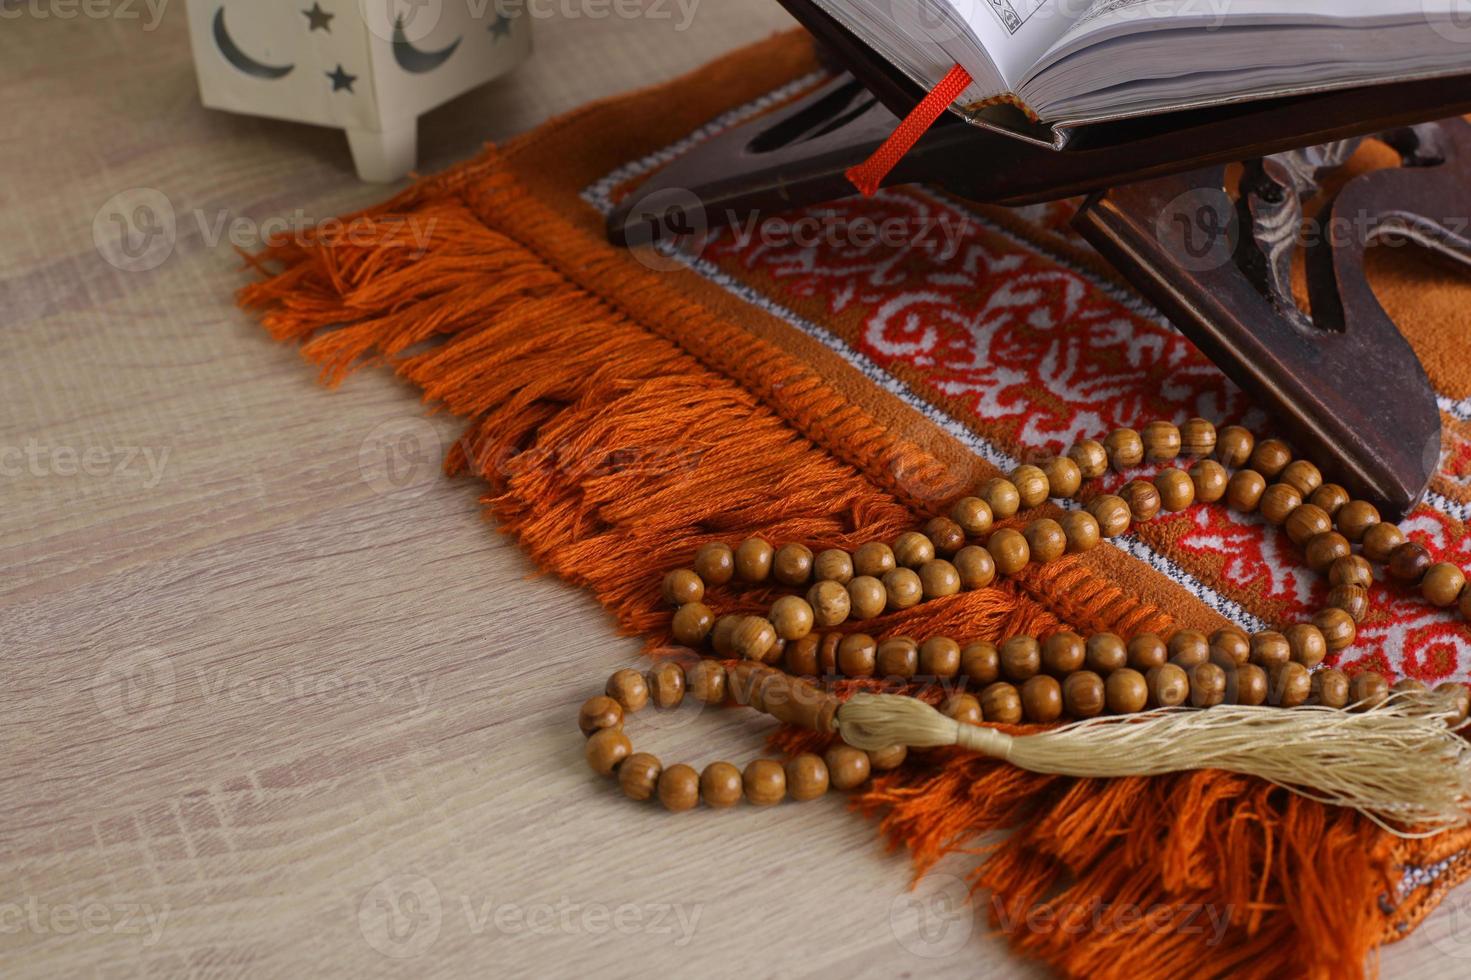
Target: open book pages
1073, 62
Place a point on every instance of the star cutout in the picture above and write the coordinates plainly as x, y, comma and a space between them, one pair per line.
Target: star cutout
317, 17
341, 79
501, 28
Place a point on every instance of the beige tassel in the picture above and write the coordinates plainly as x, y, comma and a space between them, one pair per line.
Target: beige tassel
1399, 764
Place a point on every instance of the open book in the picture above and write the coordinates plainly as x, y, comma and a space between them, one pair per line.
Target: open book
1068, 63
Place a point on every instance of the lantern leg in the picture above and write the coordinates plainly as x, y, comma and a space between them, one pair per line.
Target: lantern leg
386, 155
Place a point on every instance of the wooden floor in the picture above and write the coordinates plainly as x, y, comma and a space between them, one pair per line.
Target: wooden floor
276, 701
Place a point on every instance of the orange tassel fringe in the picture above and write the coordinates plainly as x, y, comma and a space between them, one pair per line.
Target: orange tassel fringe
616, 444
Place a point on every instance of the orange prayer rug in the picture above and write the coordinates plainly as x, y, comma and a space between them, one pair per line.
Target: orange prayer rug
803, 384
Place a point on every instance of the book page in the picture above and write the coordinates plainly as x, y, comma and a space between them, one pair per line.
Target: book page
1018, 32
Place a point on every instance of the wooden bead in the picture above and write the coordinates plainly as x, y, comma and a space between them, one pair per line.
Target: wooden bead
1352, 599
1248, 686
800, 656
1409, 562
682, 586
1112, 514
1380, 540
867, 597
1324, 549
938, 578
1305, 644
722, 635
606, 748
1041, 699
806, 777
1161, 441
889, 758
765, 782
720, 785
1244, 490
1009, 550
1367, 690
945, 535
1230, 647
1045, 539
792, 617
980, 662
1330, 497
873, 558
1270, 458
1302, 476
1458, 700
1063, 653
1125, 691
1002, 496
792, 564
847, 767
1351, 570
1209, 479
1356, 517
666, 685
1031, 485
1105, 653
1269, 649
753, 638
1289, 685
1001, 703
753, 558
1142, 498
1080, 529
628, 688
1197, 438
1176, 490
1063, 477
1188, 648
1329, 688
598, 713
833, 565
912, 549
1082, 694
715, 563
1442, 584
1464, 604
1307, 522
829, 603
1279, 500
939, 656
973, 515
638, 775
964, 708
1169, 686
1408, 685
1125, 449
691, 624
897, 657
857, 655
1207, 685
679, 788
1234, 446
903, 588
1147, 651
705, 681
1337, 627
827, 655
975, 566
1091, 457
1021, 657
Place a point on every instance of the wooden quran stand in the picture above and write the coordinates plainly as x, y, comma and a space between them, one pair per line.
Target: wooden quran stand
1342, 382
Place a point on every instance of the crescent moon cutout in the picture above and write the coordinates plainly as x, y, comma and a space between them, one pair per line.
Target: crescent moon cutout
239, 58
411, 59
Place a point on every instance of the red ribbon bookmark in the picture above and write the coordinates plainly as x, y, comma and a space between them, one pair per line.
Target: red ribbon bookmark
868, 175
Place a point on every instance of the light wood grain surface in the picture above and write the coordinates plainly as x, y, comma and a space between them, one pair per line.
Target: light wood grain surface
276, 700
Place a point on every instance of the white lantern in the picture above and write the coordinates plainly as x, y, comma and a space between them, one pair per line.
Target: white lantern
369, 67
